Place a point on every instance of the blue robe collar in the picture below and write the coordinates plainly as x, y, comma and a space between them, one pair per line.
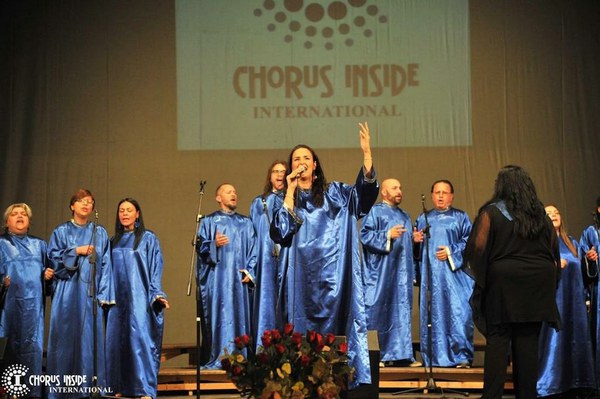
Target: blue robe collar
501, 205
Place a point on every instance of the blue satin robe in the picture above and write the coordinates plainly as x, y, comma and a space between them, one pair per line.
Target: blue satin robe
71, 337
23, 259
388, 280
226, 301
566, 355
322, 278
590, 237
452, 321
134, 329
264, 309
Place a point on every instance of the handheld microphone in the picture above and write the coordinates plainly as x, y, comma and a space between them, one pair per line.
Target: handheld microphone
302, 171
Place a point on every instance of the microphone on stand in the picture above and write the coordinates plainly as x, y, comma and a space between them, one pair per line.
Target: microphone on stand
93, 254
426, 227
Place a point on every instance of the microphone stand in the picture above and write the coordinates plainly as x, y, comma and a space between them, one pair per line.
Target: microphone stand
94, 392
431, 386
199, 311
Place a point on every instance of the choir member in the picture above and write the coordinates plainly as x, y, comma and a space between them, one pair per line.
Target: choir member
25, 276
386, 236
264, 315
450, 287
226, 267
76, 248
321, 272
135, 324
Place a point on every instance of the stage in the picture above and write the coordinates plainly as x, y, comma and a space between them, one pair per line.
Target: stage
181, 379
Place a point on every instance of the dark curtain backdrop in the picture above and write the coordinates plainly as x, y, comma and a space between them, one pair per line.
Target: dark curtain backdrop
88, 99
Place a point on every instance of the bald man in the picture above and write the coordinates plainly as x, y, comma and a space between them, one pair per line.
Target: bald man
226, 264
386, 236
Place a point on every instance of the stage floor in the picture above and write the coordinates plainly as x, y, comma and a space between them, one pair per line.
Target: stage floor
382, 395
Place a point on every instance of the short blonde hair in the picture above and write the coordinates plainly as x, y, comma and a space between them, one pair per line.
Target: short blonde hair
10, 208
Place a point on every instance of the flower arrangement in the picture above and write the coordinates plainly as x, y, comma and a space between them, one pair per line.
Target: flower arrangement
287, 366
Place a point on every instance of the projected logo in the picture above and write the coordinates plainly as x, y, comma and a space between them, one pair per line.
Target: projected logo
13, 380
315, 23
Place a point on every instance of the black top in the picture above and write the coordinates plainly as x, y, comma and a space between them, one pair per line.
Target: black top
516, 277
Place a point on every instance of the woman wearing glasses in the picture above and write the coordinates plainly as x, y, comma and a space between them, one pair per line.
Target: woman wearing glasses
74, 248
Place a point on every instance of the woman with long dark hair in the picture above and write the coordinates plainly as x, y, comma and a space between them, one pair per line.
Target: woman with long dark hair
268, 254
135, 324
513, 254
321, 287
566, 361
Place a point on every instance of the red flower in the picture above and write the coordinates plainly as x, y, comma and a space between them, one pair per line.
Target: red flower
245, 339
266, 340
242, 341
297, 339
288, 329
236, 370
311, 336
317, 340
343, 348
330, 338
305, 360
225, 364
276, 335
280, 348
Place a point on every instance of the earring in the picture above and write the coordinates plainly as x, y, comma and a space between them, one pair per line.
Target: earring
137, 223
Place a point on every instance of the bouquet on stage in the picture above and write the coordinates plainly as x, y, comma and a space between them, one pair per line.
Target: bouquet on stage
289, 365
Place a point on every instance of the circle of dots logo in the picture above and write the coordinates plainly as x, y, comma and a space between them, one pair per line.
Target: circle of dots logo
318, 22
13, 379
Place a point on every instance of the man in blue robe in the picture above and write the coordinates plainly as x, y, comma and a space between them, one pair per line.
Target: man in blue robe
451, 286
321, 287
23, 273
264, 312
227, 261
589, 244
72, 248
386, 235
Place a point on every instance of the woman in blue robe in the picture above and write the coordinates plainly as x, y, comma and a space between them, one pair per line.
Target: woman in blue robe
73, 247
24, 273
134, 329
452, 326
386, 235
566, 356
589, 245
264, 313
226, 271
322, 278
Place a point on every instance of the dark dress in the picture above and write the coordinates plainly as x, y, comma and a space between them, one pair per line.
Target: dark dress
516, 280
